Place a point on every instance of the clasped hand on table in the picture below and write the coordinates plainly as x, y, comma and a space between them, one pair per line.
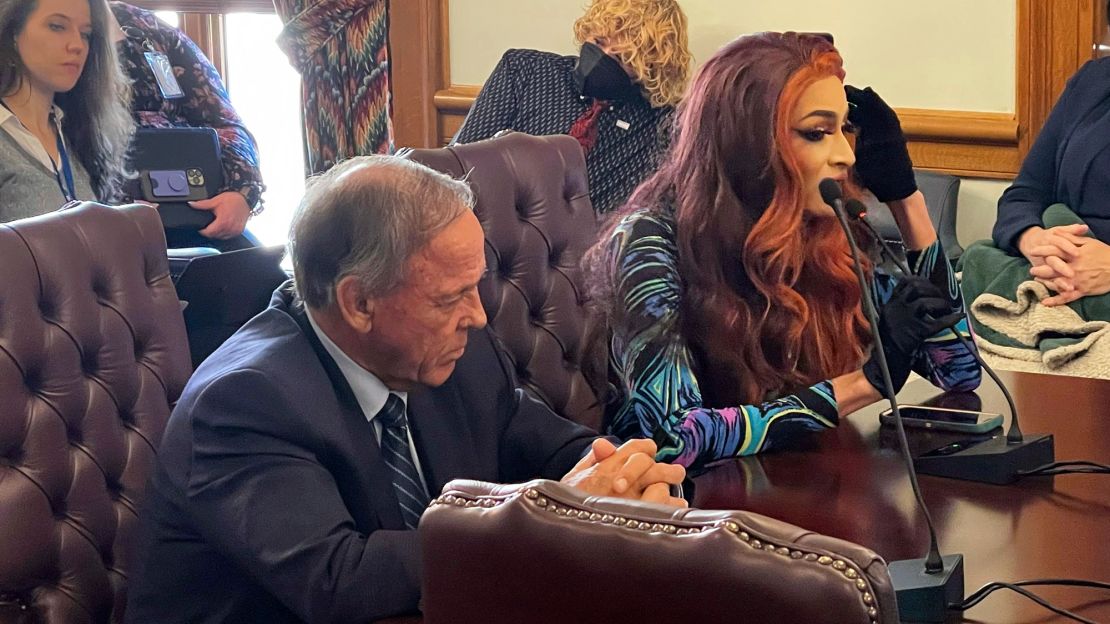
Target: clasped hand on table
629, 471
1067, 261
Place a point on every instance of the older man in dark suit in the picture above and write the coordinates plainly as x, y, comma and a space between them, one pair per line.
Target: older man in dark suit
304, 450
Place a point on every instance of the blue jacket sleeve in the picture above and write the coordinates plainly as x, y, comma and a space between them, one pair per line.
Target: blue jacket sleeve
942, 359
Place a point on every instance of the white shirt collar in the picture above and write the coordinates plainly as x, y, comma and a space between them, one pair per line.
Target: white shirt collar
28, 141
6, 115
369, 391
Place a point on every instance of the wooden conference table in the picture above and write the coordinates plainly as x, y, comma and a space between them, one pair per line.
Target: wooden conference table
852, 484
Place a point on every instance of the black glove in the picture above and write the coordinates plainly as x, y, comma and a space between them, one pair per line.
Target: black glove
882, 160
917, 310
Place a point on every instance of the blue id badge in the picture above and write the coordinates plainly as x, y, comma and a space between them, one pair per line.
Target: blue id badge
163, 74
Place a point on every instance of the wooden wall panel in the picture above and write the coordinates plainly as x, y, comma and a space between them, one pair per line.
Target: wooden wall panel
1054, 37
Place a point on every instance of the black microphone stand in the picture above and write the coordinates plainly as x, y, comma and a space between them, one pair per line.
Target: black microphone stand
998, 459
924, 587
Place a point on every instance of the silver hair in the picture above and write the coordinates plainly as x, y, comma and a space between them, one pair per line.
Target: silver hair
98, 123
366, 217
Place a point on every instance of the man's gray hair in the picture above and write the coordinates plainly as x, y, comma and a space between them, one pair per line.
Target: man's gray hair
366, 217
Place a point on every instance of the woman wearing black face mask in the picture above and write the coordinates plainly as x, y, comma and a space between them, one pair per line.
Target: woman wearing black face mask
616, 97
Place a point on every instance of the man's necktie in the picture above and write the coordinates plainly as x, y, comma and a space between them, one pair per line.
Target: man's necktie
398, 456
585, 127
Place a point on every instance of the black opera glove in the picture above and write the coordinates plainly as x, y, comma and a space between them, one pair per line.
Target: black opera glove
917, 310
882, 161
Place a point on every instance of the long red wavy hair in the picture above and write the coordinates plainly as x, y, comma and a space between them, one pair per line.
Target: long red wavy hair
771, 301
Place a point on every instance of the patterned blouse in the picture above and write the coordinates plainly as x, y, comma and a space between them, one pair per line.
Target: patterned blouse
661, 399
205, 102
534, 92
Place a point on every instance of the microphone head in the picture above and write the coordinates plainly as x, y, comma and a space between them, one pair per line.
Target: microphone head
830, 191
855, 209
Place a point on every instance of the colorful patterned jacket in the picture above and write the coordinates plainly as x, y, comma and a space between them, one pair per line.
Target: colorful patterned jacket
653, 365
205, 102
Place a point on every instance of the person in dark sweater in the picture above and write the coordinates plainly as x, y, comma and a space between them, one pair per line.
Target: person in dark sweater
64, 125
1068, 164
617, 97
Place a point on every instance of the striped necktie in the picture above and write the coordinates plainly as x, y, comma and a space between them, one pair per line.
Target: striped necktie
398, 455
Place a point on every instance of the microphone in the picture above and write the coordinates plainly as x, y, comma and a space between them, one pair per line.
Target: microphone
992, 460
924, 587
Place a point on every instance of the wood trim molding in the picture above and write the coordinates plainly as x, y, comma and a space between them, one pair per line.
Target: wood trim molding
418, 55
208, 32
1054, 37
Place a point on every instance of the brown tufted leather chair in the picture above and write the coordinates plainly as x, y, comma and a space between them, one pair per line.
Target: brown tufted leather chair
92, 354
545, 553
534, 205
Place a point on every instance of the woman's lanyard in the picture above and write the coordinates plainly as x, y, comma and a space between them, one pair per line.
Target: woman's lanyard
68, 189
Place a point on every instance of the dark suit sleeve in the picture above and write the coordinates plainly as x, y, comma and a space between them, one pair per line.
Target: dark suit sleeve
1023, 204
497, 105
258, 494
535, 442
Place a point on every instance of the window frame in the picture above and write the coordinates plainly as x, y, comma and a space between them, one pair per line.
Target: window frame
203, 22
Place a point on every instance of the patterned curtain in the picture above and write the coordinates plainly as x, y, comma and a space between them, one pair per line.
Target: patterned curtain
340, 49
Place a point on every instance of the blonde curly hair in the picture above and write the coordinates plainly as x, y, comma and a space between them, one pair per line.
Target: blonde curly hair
649, 36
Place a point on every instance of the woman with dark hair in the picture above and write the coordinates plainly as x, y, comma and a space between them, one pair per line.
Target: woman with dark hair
65, 123
727, 282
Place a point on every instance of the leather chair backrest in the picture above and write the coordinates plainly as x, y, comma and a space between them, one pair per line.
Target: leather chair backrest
542, 552
942, 192
534, 205
92, 355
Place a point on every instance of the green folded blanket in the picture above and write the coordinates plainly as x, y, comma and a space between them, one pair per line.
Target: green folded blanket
990, 271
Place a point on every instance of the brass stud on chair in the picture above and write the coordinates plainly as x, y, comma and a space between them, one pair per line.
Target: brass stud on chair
532, 494
541, 501
607, 519
851, 573
732, 527
810, 557
825, 560
839, 565
868, 598
861, 584
745, 536
755, 544
782, 550
796, 554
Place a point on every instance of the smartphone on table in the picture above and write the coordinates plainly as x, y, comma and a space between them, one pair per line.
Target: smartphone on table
946, 412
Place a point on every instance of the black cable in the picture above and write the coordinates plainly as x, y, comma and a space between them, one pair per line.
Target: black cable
831, 193
1066, 467
857, 210
983, 592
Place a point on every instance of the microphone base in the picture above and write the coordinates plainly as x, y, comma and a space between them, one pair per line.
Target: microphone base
925, 597
993, 460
